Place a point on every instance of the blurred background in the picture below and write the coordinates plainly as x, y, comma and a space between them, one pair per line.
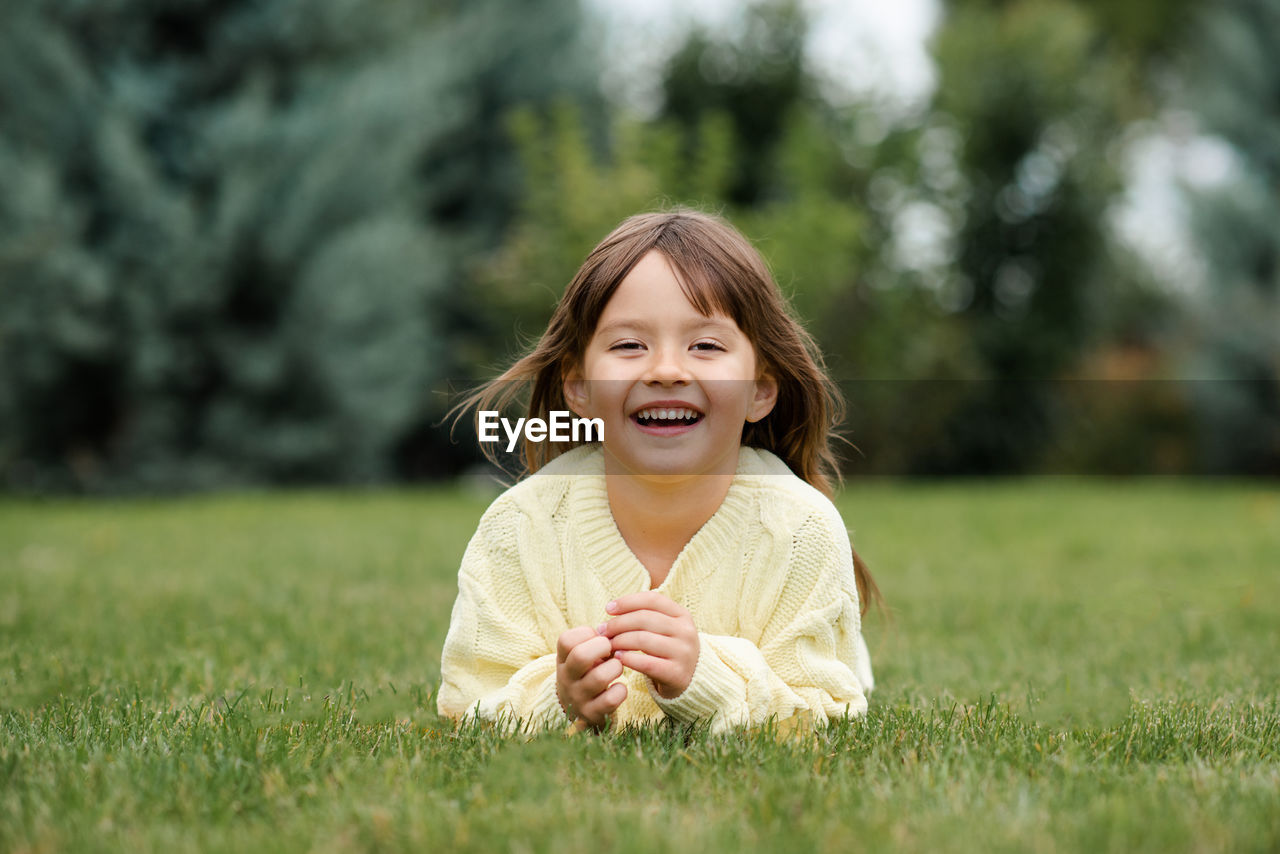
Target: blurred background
248, 243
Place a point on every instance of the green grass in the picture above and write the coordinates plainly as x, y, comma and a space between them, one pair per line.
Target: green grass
1070, 665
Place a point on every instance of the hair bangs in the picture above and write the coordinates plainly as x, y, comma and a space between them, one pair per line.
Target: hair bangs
705, 275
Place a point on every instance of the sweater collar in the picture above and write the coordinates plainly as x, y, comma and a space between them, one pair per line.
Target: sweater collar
612, 559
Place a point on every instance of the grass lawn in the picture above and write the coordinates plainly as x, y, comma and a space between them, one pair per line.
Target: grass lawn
1069, 665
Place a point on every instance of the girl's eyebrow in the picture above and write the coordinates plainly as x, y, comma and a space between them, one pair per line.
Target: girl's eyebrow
646, 326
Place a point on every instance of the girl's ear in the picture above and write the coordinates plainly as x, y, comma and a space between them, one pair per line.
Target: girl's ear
575, 391
766, 396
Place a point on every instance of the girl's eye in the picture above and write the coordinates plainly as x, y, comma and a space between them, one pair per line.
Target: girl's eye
707, 346
627, 345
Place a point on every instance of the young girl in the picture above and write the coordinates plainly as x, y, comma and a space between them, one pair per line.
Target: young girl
691, 564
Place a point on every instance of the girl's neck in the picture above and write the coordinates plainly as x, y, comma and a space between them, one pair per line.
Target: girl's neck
657, 518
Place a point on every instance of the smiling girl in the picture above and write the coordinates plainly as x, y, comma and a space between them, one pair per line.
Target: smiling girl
691, 565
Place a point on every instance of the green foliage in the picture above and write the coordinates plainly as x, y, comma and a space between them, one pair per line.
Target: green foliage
1149, 32
232, 233
1061, 672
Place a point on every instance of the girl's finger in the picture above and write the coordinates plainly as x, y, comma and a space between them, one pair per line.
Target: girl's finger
586, 655
646, 599
649, 621
605, 704
646, 642
657, 669
571, 638
601, 675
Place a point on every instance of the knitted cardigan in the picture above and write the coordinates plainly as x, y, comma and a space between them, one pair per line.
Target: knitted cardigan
768, 579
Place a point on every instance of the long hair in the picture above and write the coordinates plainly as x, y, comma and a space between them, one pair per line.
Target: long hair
719, 271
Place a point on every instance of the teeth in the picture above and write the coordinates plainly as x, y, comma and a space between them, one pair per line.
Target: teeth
667, 414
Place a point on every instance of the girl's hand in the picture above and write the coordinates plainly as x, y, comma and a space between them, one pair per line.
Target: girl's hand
583, 673
655, 635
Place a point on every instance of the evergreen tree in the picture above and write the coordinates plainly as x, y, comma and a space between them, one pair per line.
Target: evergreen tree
233, 233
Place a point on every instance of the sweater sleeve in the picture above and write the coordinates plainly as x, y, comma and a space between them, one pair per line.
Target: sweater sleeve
497, 664
807, 658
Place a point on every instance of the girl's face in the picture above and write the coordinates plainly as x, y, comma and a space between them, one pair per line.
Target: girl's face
673, 388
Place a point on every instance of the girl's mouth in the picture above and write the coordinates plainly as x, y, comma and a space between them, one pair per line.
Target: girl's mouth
666, 420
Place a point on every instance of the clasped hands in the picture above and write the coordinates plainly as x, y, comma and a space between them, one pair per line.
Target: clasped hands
649, 632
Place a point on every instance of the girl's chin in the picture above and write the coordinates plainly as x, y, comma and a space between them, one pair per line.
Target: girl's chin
667, 467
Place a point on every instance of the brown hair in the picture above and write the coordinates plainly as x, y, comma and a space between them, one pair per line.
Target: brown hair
718, 270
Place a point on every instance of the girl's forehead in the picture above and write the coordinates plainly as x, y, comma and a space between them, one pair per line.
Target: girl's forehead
646, 309
654, 285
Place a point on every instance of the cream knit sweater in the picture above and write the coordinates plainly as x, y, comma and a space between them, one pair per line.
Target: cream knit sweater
768, 579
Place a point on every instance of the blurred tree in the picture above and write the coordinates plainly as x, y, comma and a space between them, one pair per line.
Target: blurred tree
232, 233
1234, 88
1028, 100
1149, 32
754, 77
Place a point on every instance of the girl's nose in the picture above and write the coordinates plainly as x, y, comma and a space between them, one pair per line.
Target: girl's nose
667, 366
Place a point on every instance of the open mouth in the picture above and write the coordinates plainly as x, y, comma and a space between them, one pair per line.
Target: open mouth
659, 417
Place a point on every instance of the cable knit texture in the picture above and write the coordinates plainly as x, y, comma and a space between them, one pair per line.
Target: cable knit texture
768, 579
